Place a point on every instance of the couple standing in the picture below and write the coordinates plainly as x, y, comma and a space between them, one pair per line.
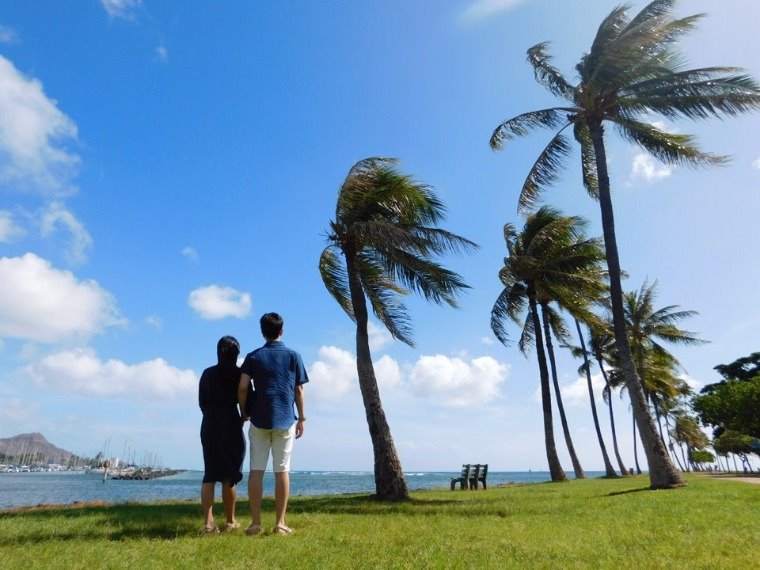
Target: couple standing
265, 388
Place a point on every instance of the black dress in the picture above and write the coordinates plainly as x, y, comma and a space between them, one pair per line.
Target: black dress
221, 429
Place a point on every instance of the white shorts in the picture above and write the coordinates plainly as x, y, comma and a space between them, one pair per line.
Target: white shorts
279, 441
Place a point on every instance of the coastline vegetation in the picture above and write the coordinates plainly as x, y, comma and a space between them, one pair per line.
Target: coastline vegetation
600, 523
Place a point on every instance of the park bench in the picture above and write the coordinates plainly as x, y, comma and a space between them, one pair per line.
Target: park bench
481, 472
470, 476
464, 478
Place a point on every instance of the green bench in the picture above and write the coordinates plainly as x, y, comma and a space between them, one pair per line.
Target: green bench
470, 476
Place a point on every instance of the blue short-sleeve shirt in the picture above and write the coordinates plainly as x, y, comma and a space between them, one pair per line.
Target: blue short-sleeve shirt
276, 371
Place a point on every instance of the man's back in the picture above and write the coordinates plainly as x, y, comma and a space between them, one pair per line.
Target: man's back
276, 370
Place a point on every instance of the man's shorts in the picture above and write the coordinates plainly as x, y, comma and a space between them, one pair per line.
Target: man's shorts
279, 441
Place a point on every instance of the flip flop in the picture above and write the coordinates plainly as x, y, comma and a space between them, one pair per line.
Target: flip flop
230, 526
282, 529
253, 530
210, 529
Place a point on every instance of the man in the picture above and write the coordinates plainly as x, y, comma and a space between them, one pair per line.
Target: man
278, 377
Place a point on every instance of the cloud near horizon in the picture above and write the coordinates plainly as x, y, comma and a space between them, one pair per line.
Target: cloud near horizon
214, 302
481, 10
450, 382
81, 371
40, 303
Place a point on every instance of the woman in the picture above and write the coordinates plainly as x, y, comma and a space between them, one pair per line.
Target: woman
221, 433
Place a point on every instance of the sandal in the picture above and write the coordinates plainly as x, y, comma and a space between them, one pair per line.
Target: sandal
210, 529
230, 526
253, 530
282, 529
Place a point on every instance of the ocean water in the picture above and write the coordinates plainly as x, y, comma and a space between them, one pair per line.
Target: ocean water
24, 489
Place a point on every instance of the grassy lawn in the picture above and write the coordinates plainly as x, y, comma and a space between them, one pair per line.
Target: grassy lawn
593, 523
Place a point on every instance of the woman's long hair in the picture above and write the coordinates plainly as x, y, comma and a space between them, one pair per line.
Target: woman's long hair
227, 351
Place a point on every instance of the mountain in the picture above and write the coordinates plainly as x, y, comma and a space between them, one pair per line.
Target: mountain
33, 447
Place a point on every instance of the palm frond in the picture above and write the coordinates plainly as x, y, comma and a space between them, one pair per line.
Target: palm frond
433, 281
714, 97
527, 336
335, 278
588, 159
384, 296
670, 148
546, 74
545, 171
521, 125
499, 315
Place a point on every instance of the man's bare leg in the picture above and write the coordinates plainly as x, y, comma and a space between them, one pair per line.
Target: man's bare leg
255, 490
281, 494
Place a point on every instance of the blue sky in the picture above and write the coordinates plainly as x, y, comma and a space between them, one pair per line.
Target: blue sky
168, 171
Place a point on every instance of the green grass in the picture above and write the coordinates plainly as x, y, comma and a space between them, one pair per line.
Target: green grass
593, 523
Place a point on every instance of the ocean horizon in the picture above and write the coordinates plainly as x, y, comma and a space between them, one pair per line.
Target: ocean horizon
30, 489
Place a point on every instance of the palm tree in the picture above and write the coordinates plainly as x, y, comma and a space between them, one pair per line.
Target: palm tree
632, 70
385, 229
601, 344
586, 366
549, 260
648, 329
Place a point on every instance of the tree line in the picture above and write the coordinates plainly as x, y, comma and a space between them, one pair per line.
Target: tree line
386, 242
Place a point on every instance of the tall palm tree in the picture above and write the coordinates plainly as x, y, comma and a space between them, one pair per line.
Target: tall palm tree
648, 330
601, 341
548, 261
385, 230
586, 367
632, 70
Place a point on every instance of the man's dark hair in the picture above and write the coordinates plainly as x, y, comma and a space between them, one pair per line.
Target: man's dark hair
271, 326
227, 350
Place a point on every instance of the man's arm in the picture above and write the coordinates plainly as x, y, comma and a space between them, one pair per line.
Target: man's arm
245, 381
301, 412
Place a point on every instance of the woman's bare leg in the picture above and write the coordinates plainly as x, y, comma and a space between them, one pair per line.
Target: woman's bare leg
207, 503
229, 496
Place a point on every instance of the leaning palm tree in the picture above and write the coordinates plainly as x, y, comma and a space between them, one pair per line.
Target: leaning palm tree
649, 329
549, 260
631, 71
385, 230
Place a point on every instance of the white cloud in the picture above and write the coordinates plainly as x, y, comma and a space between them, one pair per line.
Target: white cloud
9, 230
43, 304
487, 340
481, 10
693, 383
576, 394
756, 164
648, 169
215, 302
33, 135
334, 375
190, 254
56, 215
162, 54
378, 336
8, 35
80, 371
154, 321
121, 8
456, 382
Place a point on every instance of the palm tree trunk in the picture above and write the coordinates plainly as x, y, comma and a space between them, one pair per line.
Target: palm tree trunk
621, 465
635, 451
671, 446
563, 419
658, 416
662, 473
555, 468
608, 468
390, 484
